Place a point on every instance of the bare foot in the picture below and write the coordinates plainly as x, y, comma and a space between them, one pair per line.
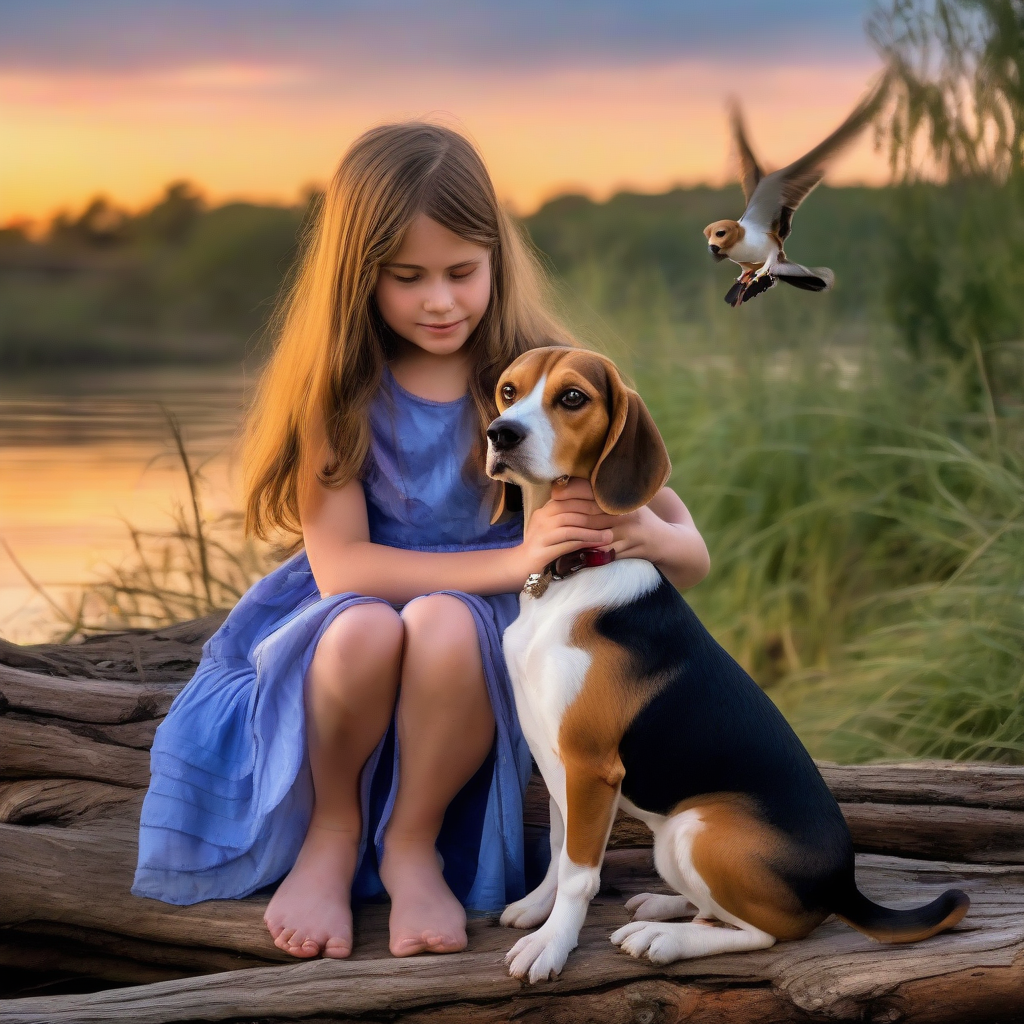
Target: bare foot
311, 911
425, 915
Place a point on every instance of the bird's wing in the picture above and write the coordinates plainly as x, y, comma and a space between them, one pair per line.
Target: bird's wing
778, 195
750, 171
767, 209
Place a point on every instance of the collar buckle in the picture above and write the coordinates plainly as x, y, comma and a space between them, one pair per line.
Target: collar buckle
537, 583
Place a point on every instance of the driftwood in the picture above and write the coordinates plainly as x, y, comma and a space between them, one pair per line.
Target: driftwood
76, 722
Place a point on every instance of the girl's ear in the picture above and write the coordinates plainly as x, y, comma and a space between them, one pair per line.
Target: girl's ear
634, 465
510, 499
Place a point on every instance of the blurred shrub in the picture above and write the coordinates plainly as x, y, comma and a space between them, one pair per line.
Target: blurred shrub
175, 282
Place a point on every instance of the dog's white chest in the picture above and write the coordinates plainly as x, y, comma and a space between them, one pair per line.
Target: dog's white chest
547, 669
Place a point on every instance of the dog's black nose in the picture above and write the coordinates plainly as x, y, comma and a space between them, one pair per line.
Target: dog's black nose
504, 435
714, 249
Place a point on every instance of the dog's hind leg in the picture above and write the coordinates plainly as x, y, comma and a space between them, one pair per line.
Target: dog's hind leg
662, 942
533, 909
737, 868
649, 906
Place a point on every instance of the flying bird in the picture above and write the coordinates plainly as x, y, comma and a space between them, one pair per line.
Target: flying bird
756, 240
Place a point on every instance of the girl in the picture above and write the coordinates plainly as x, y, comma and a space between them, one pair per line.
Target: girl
351, 725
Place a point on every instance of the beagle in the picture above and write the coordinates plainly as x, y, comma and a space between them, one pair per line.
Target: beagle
627, 701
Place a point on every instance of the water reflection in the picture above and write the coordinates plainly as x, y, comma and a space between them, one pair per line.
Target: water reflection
83, 452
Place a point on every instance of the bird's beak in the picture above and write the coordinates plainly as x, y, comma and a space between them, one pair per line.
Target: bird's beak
716, 253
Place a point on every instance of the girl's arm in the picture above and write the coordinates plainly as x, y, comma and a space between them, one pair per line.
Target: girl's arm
337, 540
664, 533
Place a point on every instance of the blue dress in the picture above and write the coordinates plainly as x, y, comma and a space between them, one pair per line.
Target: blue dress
231, 793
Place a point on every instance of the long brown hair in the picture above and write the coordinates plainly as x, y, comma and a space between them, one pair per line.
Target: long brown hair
310, 410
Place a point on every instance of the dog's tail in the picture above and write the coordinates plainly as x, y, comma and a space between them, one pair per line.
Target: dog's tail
885, 925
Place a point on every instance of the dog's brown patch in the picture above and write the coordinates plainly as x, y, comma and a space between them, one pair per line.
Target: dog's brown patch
589, 735
580, 434
738, 855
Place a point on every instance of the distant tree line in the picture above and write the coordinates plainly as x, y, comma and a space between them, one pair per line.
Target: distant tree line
174, 281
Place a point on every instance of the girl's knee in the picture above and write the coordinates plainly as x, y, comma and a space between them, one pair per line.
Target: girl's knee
363, 642
441, 636
439, 621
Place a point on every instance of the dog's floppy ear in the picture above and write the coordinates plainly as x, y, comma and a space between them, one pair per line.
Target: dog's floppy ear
509, 499
634, 464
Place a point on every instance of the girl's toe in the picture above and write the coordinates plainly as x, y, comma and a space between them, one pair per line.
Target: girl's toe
337, 949
297, 944
445, 943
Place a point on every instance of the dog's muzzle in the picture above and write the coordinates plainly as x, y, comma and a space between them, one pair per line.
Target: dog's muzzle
504, 435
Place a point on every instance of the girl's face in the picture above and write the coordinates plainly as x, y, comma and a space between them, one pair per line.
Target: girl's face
436, 289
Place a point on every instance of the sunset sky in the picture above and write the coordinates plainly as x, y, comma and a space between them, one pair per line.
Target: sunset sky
259, 99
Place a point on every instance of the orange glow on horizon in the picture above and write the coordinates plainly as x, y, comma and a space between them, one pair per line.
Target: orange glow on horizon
264, 133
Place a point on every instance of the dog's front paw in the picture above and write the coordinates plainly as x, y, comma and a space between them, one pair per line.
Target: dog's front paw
540, 955
649, 906
658, 942
530, 911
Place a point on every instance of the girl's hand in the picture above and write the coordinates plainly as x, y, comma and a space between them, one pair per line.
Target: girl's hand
638, 534
569, 521
664, 533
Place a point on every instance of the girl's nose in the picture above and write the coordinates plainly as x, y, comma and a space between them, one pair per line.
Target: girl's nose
440, 300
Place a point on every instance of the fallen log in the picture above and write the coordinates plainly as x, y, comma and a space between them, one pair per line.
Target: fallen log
74, 764
59, 801
835, 974
83, 700
46, 749
137, 656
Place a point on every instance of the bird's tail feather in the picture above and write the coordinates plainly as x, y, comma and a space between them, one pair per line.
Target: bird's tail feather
812, 279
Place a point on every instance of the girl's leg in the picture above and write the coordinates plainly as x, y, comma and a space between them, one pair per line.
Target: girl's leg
445, 730
350, 696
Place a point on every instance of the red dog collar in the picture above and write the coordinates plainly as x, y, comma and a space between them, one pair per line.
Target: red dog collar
584, 558
566, 565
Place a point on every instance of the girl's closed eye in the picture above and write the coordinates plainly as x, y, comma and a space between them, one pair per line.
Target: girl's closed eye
458, 274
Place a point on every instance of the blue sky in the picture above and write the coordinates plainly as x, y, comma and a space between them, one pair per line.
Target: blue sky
65, 34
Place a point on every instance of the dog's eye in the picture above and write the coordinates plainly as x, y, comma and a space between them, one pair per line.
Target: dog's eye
572, 399
719, 234
508, 392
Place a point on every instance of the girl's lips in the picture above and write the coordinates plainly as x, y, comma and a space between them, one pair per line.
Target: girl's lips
441, 328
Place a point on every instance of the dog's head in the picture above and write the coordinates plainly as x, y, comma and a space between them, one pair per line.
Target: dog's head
566, 412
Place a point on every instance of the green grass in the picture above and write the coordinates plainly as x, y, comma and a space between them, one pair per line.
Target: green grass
867, 536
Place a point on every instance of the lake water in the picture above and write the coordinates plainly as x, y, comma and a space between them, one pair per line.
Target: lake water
85, 451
